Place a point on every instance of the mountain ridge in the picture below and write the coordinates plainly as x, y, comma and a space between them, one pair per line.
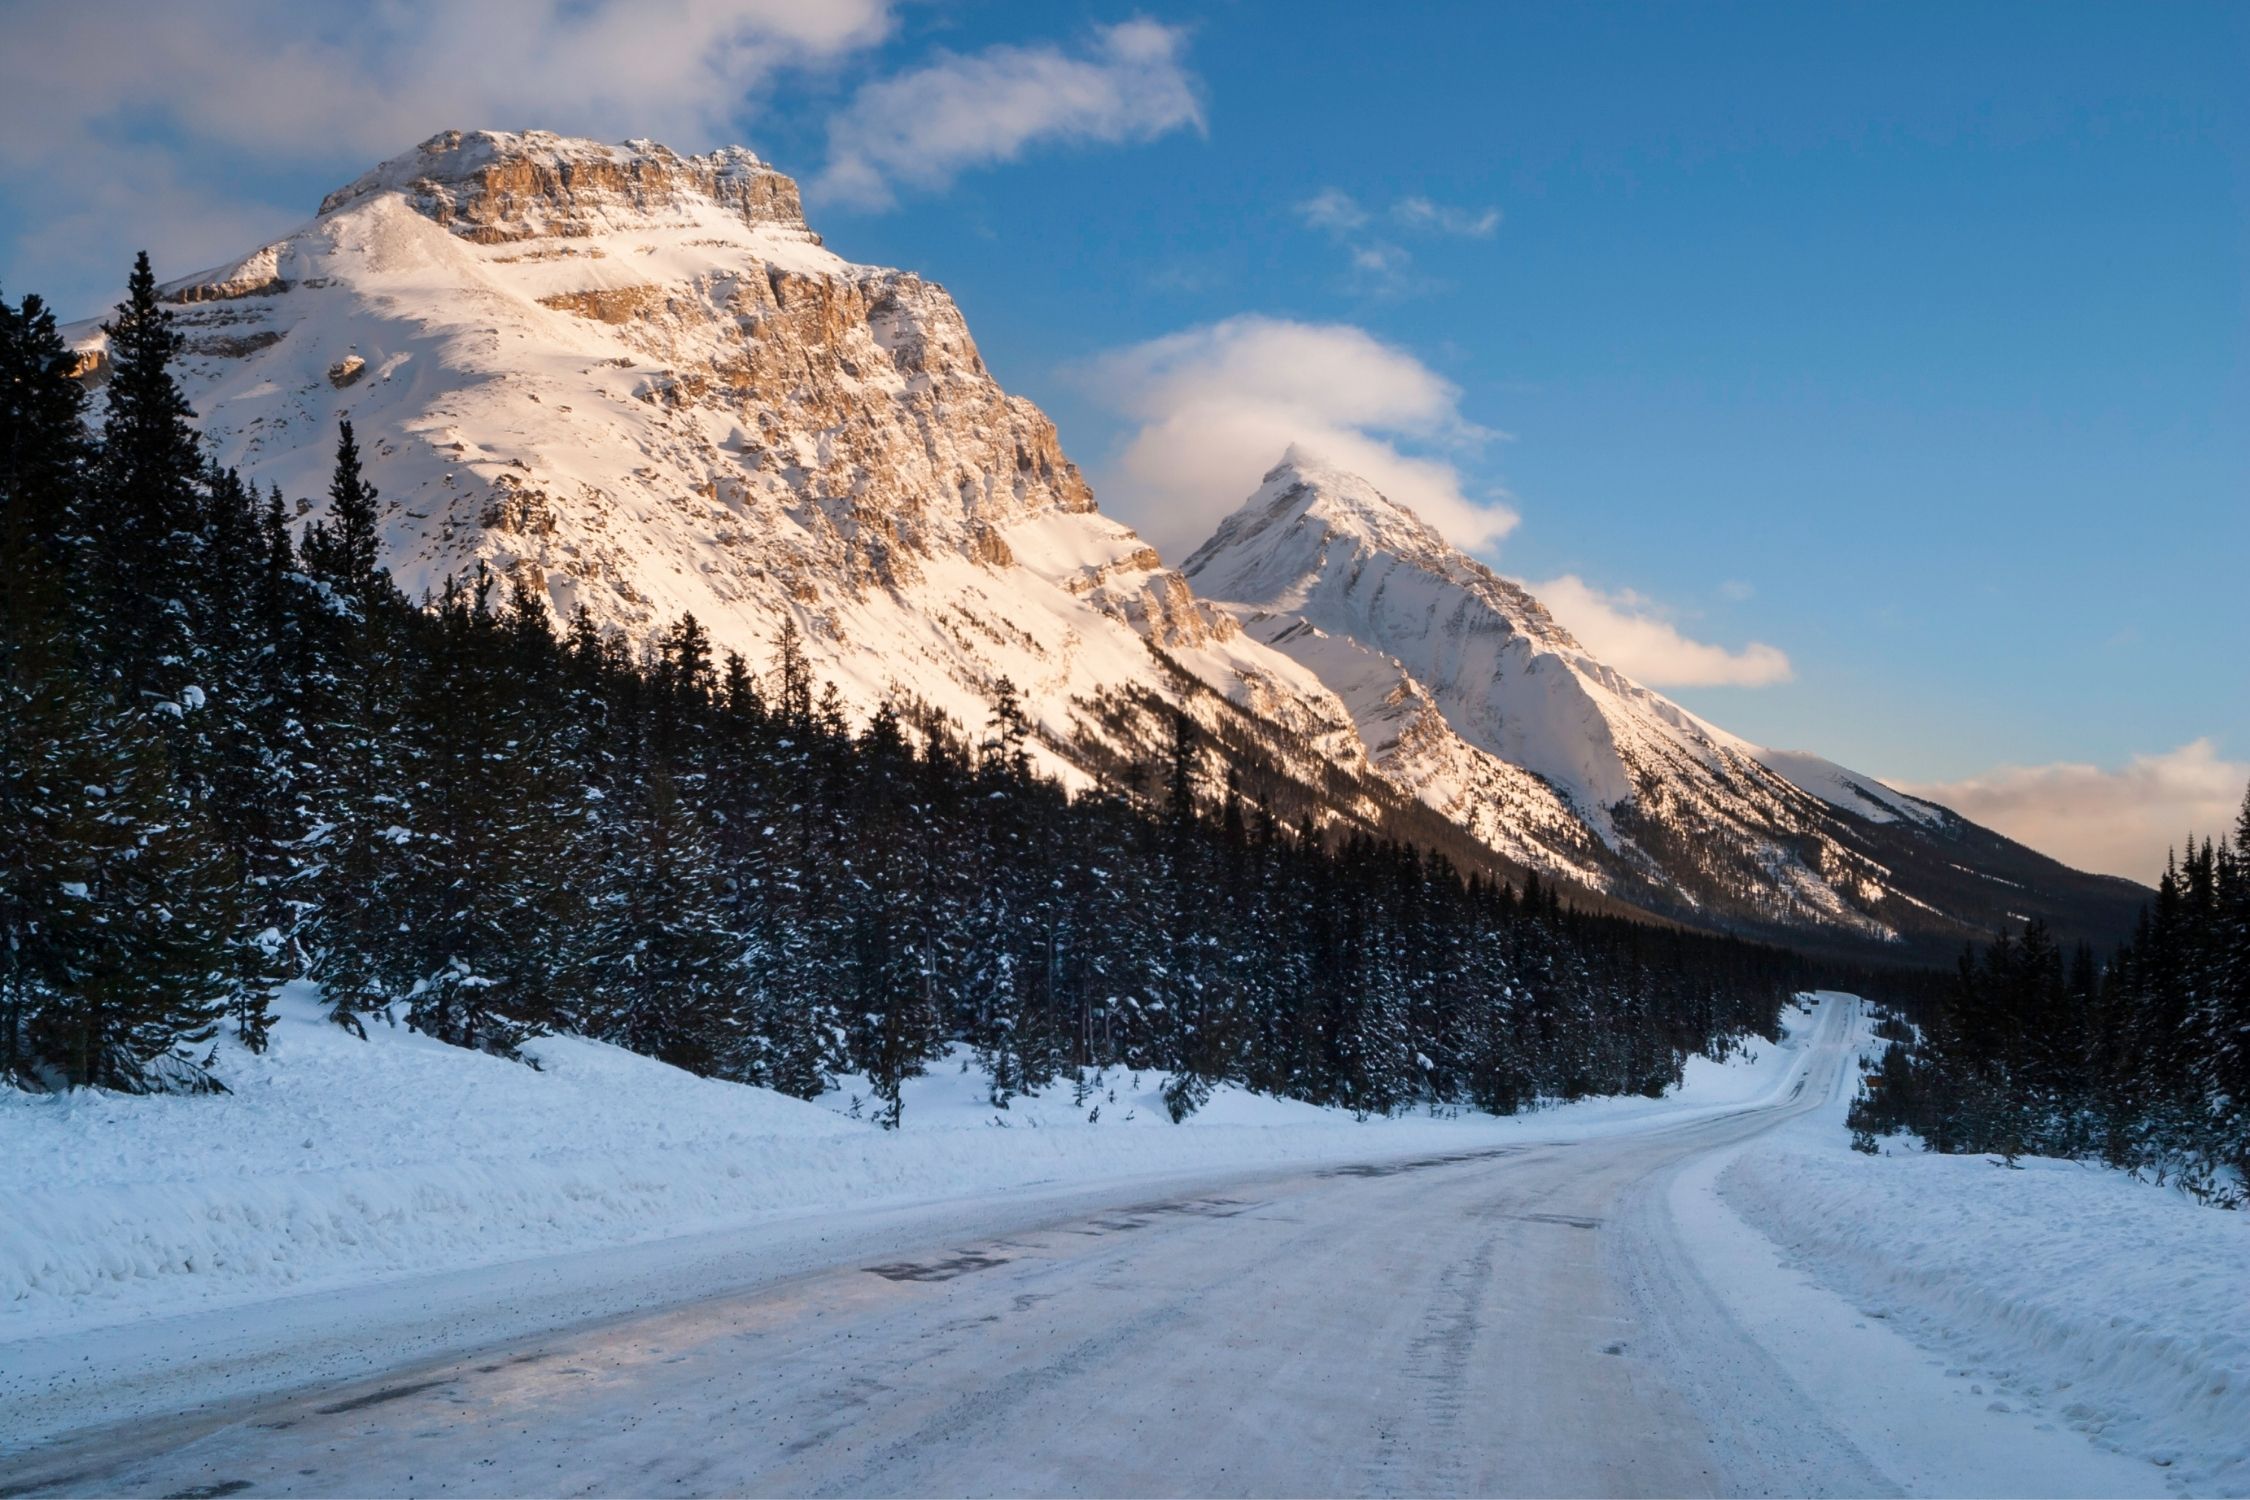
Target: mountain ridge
1467, 689
640, 382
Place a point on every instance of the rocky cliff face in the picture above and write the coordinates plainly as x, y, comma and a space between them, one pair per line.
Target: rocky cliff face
496, 188
637, 379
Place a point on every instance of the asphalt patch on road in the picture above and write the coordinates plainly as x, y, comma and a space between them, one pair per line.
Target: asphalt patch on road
938, 1270
1423, 1163
377, 1398
1568, 1221
53, 1482
1205, 1208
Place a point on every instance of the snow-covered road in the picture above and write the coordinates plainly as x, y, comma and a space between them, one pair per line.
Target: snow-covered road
1562, 1317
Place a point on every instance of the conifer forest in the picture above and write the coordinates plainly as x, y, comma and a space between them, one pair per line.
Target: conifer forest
2139, 1058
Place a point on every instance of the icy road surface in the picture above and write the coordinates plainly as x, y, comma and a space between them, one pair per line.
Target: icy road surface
1530, 1318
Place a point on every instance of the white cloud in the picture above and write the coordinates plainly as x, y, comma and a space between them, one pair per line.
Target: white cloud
2119, 821
1379, 258
1445, 218
1379, 265
1629, 631
1333, 210
1217, 406
1382, 269
279, 82
924, 127
131, 123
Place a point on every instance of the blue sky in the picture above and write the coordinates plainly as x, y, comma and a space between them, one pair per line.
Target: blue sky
1908, 346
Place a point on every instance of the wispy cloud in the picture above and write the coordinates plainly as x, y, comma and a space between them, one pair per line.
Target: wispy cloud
1445, 218
123, 146
249, 74
1379, 263
1214, 407
195, 98
2117, 820
1332, 209
924, 127
1380, 259
1634, 634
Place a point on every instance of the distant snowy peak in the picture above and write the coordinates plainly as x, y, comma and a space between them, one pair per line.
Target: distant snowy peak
1471, 696
1327, 546
1308, 517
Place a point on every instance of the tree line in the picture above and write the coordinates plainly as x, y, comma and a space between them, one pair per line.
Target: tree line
2142, 1061
235, 758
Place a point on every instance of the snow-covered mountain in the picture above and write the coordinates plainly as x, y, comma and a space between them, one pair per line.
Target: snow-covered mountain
1468, 692
638, 379
640, 382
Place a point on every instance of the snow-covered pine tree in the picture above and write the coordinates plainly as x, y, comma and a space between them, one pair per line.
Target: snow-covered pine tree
2223, 1020
112, 908
51, 752
482, 882
892, 1012
783, 870
992, 879
662, 971
148, 545
352, 692
241, 743
44, 453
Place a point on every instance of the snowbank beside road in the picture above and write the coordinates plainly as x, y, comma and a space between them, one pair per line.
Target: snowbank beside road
339, 1162
2076, 1293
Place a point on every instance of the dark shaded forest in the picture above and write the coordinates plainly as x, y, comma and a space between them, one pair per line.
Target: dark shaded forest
2140, 1059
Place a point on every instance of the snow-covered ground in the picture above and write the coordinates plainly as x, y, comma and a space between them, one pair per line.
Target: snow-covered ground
1787, 1316
2068, 1295
396, 1199
336, 1162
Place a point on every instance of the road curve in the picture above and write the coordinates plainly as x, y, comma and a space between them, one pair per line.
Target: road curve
1519, 1320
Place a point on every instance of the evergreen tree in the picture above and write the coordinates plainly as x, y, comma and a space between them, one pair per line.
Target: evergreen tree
662, 958
44, 455
344, 551
149, 541
352, 690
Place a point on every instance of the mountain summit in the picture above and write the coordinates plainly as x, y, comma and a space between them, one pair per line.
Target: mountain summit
638, 382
